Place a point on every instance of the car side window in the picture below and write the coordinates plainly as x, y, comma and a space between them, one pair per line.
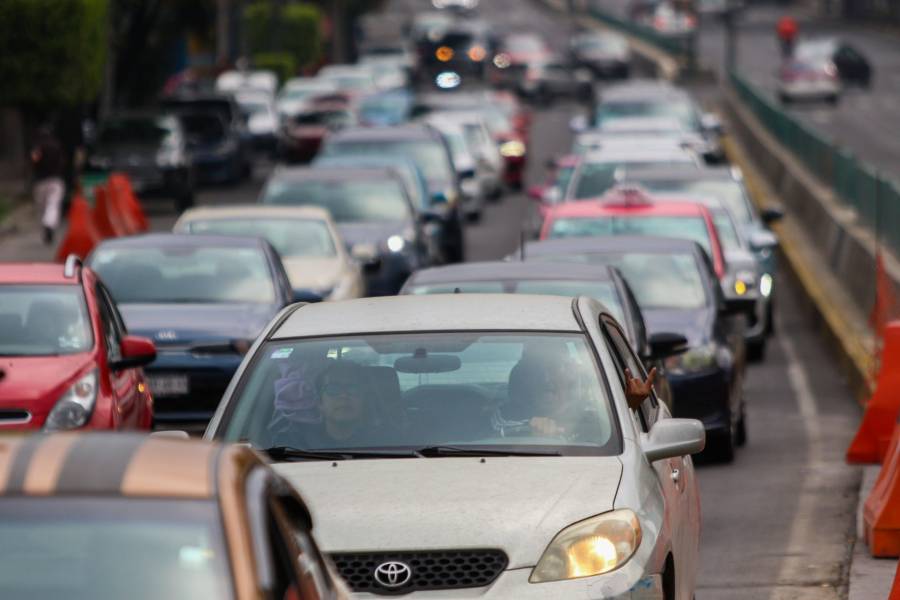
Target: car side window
111, 331
649, 408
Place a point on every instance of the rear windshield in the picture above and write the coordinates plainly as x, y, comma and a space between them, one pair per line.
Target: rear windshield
429, 155
691, 228
43, 320
349, 201
292, 238
112, 548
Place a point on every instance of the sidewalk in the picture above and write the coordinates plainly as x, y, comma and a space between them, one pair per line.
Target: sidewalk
20, 232
870, 578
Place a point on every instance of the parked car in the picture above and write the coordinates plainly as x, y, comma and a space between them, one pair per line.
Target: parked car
606, 54
676, 287
605, 284
152, 149
312, 252
422, 144
68, 359
373, 213
160, 518
203, 299
259, 80
462, 376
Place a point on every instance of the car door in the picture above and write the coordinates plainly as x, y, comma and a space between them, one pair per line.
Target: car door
124, 382
675, 475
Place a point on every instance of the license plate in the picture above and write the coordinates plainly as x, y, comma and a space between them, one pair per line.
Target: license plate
168, 385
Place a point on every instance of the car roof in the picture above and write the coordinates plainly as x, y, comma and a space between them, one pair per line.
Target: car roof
653, 149
398, 132
254, 211
510, 270
620, 244
115, 464
174, 240
658, 205
438, 312
333, 173
34, 273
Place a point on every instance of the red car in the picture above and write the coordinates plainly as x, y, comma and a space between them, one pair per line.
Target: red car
624, 211
302, 135
66, 360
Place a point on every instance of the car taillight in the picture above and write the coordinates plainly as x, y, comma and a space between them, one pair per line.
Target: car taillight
831, 70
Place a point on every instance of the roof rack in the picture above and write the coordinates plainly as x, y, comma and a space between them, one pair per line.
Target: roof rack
73, 261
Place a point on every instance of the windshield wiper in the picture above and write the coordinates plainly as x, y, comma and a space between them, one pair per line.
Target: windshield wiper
437, 451
289, 453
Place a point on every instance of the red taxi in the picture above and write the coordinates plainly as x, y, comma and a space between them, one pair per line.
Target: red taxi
66, 359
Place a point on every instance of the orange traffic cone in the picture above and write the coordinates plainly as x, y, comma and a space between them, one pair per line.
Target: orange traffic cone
118, 203
881, 512
82, 235
874, 435
130, 203
106, 217
895, 588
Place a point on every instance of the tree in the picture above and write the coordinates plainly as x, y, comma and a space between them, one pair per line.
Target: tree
292, 30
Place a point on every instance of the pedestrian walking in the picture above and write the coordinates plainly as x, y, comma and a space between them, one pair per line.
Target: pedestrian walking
49, 186
787, 35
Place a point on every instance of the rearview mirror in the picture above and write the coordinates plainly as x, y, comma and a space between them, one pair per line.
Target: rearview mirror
427, 363
666, 344
673, 438
135, 352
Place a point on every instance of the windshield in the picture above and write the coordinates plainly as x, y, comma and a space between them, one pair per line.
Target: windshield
659, 281
683, 111
151, 132
292, 238
691, 228
350, 201
185, 274
429, 155
43, 320
97, 548
729, 192
473, 389
604, 291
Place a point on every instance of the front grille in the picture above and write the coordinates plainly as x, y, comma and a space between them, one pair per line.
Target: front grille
435, 570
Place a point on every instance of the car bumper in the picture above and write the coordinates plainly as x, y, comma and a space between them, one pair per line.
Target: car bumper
705, 396
207, 378
623, 584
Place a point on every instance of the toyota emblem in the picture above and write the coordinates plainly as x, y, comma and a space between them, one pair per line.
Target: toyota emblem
393, 574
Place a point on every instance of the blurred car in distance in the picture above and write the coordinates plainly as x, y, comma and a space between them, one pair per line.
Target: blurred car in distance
296, 93
261, 115
606, 54
810, 74
302, 134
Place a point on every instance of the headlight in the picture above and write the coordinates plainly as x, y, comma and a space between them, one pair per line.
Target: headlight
765, 285
75, 407
696, 359
502, 61
513, 148
396, 243
592, 547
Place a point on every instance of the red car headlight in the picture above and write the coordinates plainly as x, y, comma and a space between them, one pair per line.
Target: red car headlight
75, 407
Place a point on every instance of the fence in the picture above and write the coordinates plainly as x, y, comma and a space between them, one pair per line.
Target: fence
875, 198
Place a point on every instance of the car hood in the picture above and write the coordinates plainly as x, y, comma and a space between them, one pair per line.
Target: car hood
313, 273
177, 324
35, 383
369, 233
694, 324
515, 503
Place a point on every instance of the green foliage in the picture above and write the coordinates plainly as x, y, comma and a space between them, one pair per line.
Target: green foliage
292, 29
282, 63
52, 52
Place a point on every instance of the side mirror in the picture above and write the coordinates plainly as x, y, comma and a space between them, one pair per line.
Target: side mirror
135, 352
771, 215
712, 123
665, 344
578, 124
673, 438
763, 240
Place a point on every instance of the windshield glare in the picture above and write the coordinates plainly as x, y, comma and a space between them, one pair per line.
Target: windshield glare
96, 548
407, 391
43, 320
349, 201
182, 275
691, 228
292, 238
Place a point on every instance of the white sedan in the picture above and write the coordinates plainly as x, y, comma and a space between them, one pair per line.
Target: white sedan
477, 445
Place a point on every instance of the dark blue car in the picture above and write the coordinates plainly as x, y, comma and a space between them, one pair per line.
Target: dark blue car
202, 299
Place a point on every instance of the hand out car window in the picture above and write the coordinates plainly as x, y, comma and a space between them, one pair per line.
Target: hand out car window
43, 320
420, 390
627, 359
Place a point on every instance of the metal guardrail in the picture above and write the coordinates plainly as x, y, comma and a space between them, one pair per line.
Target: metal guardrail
680, 47
875, 198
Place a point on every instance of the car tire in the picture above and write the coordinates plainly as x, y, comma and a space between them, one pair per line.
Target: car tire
756, 350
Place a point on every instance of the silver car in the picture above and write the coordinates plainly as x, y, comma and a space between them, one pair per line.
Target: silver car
476, 445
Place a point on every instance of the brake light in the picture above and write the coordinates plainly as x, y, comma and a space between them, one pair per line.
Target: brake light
477, 53
444, 53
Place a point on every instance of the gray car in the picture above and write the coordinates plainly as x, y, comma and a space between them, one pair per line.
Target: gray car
474, 445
